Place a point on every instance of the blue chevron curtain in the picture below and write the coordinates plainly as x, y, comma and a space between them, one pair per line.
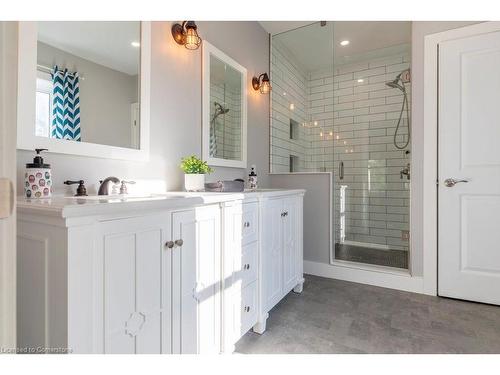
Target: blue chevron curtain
66, 105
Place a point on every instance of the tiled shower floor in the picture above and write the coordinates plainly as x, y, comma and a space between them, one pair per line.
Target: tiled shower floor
367, 255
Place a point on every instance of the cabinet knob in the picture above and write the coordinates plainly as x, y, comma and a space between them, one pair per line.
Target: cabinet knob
246, 266
247, 308
246, 224
169, 244
179, 242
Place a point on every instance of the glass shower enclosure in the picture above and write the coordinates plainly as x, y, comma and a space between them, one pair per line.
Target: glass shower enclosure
340, 104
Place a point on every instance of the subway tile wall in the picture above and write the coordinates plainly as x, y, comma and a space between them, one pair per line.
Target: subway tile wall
289, 101
349, 116
227, 126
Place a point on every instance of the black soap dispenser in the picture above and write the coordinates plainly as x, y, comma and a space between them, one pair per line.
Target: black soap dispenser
38, 177
252, 179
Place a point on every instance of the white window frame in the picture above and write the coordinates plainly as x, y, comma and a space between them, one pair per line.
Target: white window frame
46, 90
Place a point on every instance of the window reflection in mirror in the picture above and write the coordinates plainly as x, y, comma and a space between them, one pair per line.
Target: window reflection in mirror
87, 87
225, 110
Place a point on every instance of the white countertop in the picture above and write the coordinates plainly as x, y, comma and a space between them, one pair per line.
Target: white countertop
65, 207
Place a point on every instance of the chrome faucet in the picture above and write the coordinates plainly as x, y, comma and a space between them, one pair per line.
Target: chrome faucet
104, 187
405, 172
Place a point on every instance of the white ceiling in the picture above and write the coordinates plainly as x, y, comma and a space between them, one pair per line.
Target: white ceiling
103, 42
311, 45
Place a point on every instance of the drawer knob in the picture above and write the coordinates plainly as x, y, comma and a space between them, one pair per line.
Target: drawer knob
179, 242
169, 244
246, 224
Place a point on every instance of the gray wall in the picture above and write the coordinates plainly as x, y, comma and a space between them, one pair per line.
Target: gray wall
105, 96
317, 208
419, 30
176, 111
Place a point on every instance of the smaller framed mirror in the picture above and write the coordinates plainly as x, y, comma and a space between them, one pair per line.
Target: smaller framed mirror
224, 109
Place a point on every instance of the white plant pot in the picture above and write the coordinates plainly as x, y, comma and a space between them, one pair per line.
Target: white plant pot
194, 182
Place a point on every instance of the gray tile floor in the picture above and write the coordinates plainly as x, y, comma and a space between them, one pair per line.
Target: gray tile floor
333, 316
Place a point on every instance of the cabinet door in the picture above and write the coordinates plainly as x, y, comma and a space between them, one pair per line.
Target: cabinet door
135, 303
272, 248
290, 243
196, 281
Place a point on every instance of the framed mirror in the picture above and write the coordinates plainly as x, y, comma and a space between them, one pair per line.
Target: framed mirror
224, 109
84, 88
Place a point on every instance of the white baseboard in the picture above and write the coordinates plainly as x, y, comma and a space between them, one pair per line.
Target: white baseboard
377, 277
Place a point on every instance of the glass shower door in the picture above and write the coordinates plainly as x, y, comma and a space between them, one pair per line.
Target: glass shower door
372, 158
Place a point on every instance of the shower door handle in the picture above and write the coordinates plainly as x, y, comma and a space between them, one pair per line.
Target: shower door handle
341, 170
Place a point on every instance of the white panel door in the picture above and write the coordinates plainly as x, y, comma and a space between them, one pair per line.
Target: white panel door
272, 252
290, 243
196, 281
469, 149
136, 285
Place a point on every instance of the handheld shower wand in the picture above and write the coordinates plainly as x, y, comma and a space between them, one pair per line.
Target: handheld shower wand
399, 84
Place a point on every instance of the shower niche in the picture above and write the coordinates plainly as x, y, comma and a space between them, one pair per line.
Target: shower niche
352, 104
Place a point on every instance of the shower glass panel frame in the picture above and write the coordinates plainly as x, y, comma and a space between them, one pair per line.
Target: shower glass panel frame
354, 115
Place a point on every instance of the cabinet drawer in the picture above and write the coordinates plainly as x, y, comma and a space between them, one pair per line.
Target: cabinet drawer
245, 267
250, 223
248, 308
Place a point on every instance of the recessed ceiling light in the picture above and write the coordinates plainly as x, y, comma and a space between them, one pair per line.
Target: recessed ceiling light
344, 43
135, 44
361, 80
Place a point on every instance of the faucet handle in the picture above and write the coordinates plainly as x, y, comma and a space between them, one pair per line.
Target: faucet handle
81, 191
123, 187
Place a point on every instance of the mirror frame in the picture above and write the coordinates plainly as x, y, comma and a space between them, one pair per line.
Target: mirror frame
209, 49
27, 140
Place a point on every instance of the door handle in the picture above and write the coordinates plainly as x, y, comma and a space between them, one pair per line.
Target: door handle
450, 182
341, 170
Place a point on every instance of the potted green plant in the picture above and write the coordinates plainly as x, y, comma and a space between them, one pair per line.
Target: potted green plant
194, 170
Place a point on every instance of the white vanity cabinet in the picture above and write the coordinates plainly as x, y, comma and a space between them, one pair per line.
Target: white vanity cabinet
281, 251
161, 283
196, 281
241, 265
175, 274
132, 296
263, 259
140, 284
